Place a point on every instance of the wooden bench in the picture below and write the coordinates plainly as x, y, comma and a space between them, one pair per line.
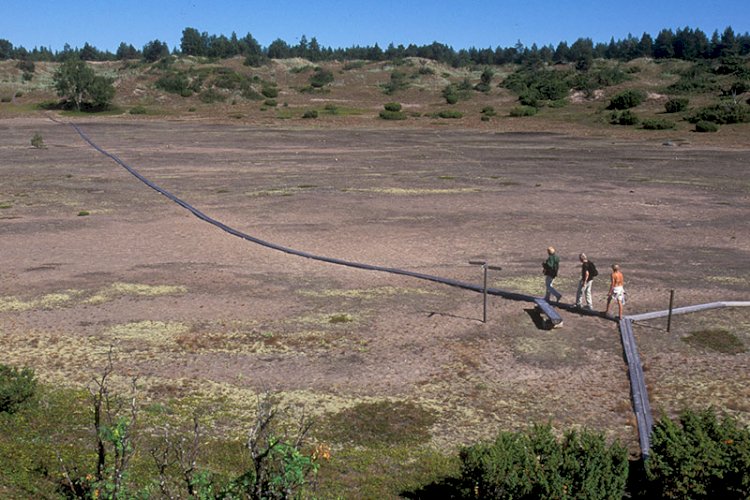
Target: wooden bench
552, 315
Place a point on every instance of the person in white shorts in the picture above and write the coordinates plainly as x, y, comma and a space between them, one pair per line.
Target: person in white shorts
616, 289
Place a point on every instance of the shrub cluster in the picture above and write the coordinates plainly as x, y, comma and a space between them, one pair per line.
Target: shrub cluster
320, 78
523, 111
699, 457
537, 465
175, 83
676, 104
704, 126
626, 117
722, 113
658, 124
16, 387
392, 111
627, 99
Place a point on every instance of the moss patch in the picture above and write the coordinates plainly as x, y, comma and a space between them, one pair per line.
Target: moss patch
716, 339
381, 422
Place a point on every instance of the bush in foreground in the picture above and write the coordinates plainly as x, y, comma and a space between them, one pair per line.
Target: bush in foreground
16, 387
537, 465
658, 124
704, 126
699, 457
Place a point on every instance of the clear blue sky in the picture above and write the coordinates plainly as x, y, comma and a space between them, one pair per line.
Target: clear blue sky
339, 23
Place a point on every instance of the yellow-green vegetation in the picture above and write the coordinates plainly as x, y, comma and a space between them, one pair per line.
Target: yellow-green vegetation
71, 297
148, 334
282, 191
134, 289
49, 301
729, 280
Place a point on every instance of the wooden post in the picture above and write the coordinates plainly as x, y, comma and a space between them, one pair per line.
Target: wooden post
671, 305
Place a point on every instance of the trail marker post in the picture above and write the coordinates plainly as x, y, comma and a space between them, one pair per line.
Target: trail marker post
485, 268
671, 306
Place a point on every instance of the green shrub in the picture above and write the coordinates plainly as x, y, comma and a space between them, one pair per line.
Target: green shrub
271, 103
450, 114
523, 111
392, 106
228, 79
331, 109
627, 99
658, 124
37, 141
16, 387
704, 126
488, 111
392, 115
175, 83
696, 79
626, 117
311, 113
722, 113
270, 90
211, 96
397, 82
138, 110
699, 457
676, 104
320, 78
451, 98
26, 66
6, 98
537, 465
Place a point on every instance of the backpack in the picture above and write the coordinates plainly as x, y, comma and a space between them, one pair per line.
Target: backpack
593, 272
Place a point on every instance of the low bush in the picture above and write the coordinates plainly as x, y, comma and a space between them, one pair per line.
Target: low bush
723, 113
535, 464
37, 141
271, 103
699, 457
704, 126
16, 387
138, 110
270, 90
626, 117
211, 96
392, 115
676, 104
320, 78
627, 99
523, 111
392, 106
397, 82
310, 114
175, 83
488, 111
658, 124
450, 114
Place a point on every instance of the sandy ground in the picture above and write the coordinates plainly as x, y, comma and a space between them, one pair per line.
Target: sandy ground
93, 258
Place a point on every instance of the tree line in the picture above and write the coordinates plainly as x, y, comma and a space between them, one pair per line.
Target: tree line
684, 43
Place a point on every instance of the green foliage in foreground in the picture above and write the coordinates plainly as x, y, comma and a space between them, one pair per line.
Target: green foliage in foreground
699, 456
658, 124
16, 387
538, 465
722, 113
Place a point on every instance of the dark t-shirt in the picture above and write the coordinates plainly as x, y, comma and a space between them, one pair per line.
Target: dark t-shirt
586, 267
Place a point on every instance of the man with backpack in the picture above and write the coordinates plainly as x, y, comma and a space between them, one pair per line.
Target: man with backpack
588, 273
550, 268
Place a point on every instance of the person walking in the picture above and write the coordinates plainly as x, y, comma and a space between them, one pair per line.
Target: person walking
550, 268
616, 290
588, 273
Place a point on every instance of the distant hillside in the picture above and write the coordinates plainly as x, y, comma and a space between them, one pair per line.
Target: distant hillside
609, 94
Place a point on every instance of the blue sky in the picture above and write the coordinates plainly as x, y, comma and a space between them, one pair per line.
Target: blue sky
338, 23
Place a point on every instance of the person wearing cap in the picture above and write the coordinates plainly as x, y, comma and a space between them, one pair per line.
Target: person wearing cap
550, 268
